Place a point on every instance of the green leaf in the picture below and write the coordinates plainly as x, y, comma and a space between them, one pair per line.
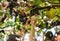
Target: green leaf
37, 2
51, 13
39, 19
21, 25
43, 25
3, 0
39, 31
18, 19
28, 28
58, 12
1, 13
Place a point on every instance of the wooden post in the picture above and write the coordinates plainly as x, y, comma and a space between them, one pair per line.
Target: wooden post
32, 32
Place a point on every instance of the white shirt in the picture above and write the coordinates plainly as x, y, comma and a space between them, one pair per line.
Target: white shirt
26, 37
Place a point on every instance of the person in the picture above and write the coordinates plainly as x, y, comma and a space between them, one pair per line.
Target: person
58, 36
12, 4
22, 16
49, 36
13, 38
26, 37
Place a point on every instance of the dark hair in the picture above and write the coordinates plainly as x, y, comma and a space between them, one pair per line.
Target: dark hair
15, 0
34, 10
2, 31
9, 0
49, 35
12, 37
25, 0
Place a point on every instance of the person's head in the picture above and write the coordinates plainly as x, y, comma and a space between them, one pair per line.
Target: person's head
58, 38
13, 37
49, 35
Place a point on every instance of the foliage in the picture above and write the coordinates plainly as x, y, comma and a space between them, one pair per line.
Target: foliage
51, 13
3, 0
39, 31
37, 2
58, 12
0, 7
8, 23
1, 13
39, 20
28, 28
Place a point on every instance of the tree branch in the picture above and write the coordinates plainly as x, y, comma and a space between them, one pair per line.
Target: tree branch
48, 7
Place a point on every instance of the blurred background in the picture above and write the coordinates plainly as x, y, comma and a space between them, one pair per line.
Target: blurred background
29, 20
